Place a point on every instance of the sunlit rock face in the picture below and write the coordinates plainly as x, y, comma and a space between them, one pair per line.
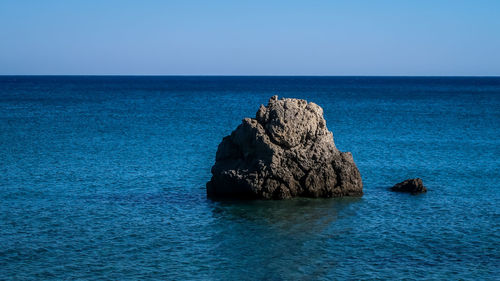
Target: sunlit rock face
284, 152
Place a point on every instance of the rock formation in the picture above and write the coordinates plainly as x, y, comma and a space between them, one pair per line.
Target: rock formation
286, 151
413, 186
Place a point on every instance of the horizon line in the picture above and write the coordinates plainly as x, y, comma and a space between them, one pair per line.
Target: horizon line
242, 75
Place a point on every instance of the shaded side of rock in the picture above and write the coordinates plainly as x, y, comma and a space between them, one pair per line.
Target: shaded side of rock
286, 151
413, 186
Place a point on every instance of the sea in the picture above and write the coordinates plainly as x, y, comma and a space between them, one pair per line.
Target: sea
103, 178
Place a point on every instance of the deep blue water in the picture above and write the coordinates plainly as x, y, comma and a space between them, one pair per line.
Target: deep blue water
104, 178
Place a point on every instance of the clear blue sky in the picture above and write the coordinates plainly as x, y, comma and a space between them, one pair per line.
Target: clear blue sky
211, 37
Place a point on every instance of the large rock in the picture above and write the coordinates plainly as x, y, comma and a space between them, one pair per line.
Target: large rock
413, 186
286, 151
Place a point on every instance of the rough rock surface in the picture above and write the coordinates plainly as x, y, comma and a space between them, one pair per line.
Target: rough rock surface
286, 151
413, 186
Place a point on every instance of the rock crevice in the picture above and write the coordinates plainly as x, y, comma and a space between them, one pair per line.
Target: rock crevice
285, 151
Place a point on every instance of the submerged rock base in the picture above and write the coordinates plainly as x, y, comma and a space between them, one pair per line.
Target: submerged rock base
286, 151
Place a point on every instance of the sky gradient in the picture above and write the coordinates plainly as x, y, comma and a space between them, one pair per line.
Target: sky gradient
250, 37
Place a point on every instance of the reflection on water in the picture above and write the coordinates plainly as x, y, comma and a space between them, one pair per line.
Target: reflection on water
285, 237
303, 214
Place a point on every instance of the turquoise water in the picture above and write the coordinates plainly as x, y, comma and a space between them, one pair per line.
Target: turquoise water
104, 178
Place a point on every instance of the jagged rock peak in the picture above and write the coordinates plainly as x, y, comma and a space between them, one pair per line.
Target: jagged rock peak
286, 151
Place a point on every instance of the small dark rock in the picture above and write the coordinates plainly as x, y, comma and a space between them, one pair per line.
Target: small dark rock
413, 186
